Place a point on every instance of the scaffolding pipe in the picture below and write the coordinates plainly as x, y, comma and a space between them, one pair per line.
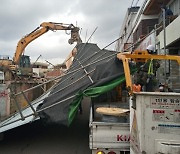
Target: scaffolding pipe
164, 29
94, 62
85, 71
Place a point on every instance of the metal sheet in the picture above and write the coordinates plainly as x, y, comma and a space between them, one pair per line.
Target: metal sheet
16, 121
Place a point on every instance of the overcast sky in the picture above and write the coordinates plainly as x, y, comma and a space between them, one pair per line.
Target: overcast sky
20, 17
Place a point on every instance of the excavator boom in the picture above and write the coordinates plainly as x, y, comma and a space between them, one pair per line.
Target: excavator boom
43, 28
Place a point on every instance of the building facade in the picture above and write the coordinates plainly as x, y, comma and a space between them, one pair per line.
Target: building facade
153, 26
126, 40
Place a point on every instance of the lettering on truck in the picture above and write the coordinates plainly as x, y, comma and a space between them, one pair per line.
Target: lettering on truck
123, 138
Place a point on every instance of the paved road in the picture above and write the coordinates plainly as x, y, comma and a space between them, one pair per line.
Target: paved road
37, 139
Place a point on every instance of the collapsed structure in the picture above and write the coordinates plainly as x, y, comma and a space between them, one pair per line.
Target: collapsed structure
154, 116
85, 77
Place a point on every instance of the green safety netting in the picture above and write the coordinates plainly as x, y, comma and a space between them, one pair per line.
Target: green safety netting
92, 92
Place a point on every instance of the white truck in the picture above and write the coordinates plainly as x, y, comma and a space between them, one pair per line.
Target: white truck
154, 126
155, 123
154, 116
109, 134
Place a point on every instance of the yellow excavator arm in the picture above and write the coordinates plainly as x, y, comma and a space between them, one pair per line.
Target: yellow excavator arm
43, 28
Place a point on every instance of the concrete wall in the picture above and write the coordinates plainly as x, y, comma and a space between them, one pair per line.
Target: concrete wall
31, 95
1, 75
175, 76
4, 101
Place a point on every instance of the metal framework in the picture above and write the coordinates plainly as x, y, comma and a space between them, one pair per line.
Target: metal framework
140, 56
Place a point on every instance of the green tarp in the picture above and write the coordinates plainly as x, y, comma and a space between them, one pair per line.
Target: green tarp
92, 92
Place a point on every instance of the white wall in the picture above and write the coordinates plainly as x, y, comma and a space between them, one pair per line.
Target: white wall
172, 33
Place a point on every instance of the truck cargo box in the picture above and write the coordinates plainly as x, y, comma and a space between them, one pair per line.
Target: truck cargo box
109, 133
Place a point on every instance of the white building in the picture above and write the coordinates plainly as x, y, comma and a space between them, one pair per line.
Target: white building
126, 39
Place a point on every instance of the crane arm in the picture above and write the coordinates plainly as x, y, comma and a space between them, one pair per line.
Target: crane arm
140, 56
43, 28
